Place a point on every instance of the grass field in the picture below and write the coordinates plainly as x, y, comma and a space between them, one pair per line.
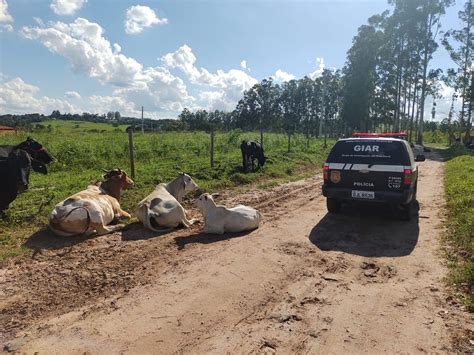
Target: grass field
459, 186
81, 155
60, 126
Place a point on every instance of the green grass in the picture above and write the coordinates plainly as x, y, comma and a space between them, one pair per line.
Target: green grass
459, 186
158, 158
81, 126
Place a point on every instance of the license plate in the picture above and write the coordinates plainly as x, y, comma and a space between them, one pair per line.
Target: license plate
363, 194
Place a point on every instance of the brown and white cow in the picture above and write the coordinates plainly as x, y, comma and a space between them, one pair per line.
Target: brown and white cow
91, 210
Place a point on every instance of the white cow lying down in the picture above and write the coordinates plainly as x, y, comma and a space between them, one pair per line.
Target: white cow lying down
220, 219
161, 211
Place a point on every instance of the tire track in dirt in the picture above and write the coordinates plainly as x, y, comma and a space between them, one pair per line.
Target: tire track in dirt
65, 274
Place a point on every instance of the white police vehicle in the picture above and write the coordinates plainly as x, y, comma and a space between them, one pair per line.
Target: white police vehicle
373, 169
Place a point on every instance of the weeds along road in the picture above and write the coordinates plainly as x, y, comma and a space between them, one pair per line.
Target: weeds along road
304, 282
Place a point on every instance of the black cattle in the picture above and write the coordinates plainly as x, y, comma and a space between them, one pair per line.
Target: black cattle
14, 176
16, 163
252, 150
38, 154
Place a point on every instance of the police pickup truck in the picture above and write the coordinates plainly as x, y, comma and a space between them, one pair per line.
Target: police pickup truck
375, 169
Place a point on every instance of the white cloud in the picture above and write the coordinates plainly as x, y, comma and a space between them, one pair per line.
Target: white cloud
281, 76
4, 14
230, 84
66, 7
83, 44
6, 27
89, 52
5, 17
443, 104
18, 97
243, 64
319, 70
102, 104
140, 17
72, 94
39, 21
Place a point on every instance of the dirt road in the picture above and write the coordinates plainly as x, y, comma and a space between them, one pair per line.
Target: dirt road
305, 282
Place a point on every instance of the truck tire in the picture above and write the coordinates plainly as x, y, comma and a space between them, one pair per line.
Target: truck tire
333, 204
405, 211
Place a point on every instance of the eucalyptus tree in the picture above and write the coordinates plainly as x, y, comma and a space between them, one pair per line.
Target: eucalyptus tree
288, 106
430, 14
307, 103
259, 106
360, 77
459, 44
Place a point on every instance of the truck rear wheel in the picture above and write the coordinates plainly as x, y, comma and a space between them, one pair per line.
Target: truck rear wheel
405, 211
333, 204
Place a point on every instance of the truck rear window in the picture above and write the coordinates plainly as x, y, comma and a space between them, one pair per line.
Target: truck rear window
369, 152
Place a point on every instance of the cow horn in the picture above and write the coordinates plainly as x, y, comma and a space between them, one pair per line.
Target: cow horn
104, 170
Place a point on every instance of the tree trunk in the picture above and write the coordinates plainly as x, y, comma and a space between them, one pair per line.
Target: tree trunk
415, 96
467, 138
325, 134
465, 74
419, 138
307, 133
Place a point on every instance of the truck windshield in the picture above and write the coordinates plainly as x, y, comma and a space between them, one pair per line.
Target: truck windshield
369, 152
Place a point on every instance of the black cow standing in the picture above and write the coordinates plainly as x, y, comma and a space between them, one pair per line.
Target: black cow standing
16, 163
252, 150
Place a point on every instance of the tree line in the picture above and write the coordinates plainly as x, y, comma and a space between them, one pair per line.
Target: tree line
383, 85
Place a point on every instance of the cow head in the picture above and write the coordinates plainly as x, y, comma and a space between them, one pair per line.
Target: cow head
19, 166
188, 183
39, 154
118, 177
205, 200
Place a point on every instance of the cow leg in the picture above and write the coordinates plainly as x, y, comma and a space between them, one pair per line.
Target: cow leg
244, 161
214, 230
121, 213
185, 221
188, 223
97, 224
101, 230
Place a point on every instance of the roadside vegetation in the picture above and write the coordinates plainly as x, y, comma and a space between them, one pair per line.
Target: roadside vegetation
82, 154
459, 186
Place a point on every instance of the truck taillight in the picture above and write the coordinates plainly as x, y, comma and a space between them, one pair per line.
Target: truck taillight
326, 172
407, 176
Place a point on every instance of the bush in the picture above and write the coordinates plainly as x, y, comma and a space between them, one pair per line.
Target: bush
459, 186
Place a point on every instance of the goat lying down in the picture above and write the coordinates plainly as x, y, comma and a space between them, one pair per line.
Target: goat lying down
91, 210
161, 211
220, 219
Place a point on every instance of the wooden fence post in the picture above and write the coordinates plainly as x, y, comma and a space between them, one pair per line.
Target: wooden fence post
212, 149
130, 147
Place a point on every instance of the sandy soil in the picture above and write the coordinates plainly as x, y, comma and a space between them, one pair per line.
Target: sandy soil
304, 282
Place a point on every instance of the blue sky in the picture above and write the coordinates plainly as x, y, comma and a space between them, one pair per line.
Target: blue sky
97, 56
